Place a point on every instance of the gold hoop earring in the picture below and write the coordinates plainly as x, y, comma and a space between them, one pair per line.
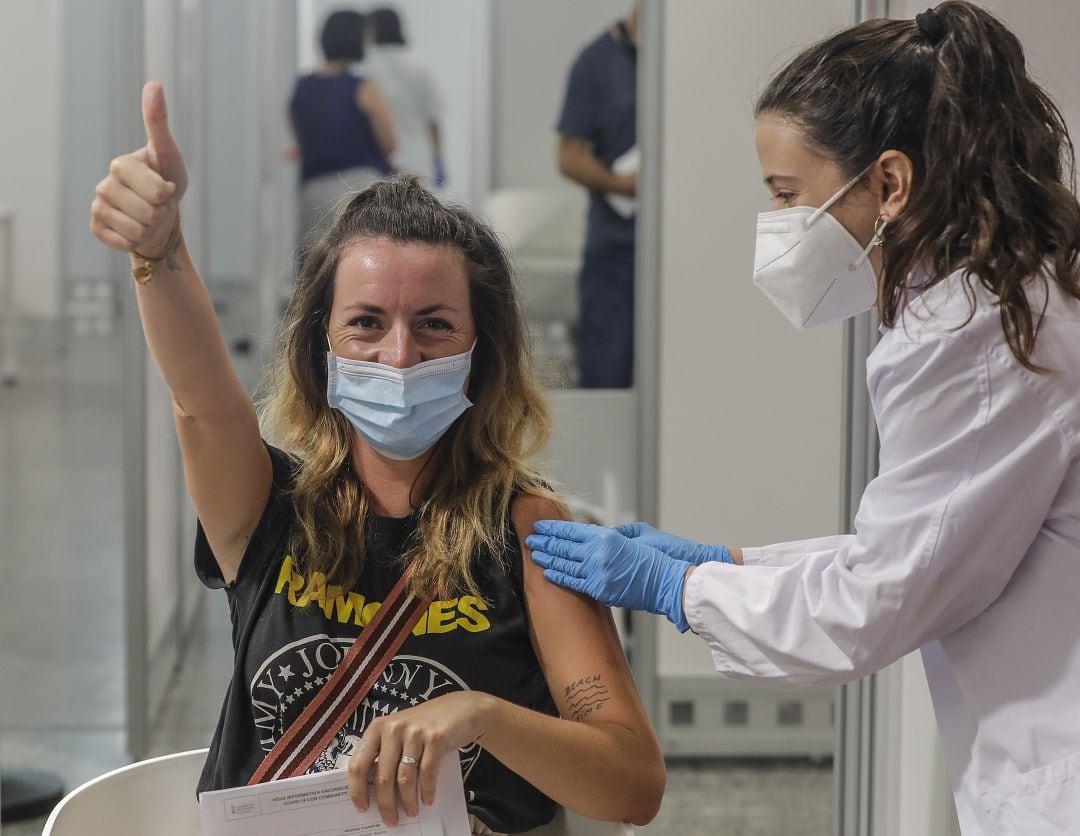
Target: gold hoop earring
879, 232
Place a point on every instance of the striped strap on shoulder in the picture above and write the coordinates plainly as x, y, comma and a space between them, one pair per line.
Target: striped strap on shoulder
327, 713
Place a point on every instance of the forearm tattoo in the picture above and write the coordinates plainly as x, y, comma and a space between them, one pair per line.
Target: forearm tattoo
585, 696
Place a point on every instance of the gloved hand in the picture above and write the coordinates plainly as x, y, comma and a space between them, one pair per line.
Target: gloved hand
603, 564
440, 172
672, 546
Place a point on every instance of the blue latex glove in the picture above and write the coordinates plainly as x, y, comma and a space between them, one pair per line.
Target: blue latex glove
440, 172
603, 564
672, 546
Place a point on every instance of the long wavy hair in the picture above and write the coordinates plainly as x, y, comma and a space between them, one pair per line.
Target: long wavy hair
479, 465
994, 166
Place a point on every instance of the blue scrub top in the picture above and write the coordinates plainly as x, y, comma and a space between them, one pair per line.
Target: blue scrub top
333, 132
600, 107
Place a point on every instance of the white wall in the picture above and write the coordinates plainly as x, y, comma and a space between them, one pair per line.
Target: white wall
750, 420
29, 148
535, 44
88, 129
229, 147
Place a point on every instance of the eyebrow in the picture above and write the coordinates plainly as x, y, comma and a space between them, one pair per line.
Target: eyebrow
375, 309
772, 179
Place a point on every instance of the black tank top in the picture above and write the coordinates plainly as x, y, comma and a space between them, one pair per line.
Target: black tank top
334, 133
291, 631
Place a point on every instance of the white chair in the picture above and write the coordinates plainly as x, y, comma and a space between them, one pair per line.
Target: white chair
153, 796
539, 220
545, 231
157, 796
568, 823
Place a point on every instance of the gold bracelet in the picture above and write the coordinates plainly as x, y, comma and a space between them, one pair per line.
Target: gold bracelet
144, 272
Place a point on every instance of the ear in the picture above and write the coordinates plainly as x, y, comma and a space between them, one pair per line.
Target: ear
892, 183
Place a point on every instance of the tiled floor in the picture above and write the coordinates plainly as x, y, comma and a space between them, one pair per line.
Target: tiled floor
62, 662
61, 688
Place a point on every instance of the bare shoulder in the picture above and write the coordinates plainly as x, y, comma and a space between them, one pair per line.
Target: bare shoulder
368, 92
528, 508
525, 511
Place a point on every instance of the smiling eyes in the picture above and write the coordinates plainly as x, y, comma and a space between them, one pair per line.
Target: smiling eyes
367, 322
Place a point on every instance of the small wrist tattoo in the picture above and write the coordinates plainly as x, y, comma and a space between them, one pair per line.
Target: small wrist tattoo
171, 261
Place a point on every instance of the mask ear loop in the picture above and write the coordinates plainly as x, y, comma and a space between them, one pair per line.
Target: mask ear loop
326, 331
877, 240
847, 187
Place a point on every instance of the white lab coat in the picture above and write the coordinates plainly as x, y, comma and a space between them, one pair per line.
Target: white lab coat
967, 546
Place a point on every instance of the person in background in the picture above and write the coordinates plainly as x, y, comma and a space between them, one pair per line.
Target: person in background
596, 148
414, 100
343, 125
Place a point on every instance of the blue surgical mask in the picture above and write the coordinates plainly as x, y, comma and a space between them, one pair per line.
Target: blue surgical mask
401, 413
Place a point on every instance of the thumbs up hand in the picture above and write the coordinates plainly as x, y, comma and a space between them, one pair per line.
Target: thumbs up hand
137, 205
162, 150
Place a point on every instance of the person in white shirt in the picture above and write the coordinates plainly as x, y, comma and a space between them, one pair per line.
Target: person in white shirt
915, 165
413, 95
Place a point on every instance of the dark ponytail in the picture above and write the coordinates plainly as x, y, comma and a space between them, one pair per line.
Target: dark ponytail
992, 157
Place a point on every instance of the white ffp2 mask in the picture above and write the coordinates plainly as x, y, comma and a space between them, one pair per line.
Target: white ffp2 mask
810, 267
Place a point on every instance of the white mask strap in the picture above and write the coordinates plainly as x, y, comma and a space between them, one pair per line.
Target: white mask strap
875, 240
847, 187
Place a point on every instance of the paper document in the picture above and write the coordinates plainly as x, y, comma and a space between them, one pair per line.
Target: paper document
319, 805
628, 163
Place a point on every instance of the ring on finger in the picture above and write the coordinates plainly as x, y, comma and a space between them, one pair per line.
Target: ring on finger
405, 759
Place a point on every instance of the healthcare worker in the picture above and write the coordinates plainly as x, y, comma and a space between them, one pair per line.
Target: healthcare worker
916, 166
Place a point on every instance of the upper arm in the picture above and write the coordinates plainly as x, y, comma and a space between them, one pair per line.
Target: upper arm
229, 475
578, 117
291, 111
570, 147
370, 99
574, 158
575, 640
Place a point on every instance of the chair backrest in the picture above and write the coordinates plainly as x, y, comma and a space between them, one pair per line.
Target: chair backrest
544, 229
568, 823
158, 796
539, 220
153, 796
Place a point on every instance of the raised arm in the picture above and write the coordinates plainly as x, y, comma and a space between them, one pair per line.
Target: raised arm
137, 208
